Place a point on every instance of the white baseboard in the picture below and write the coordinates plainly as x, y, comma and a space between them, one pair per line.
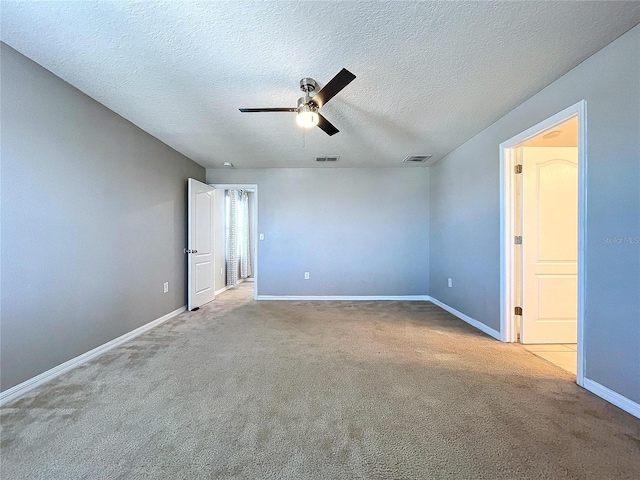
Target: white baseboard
610, 396
411, 298
223, 289
465, 318
22, 388
240, 280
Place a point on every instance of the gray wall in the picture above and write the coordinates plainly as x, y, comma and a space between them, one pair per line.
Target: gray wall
93, 222
465, 211
357, 231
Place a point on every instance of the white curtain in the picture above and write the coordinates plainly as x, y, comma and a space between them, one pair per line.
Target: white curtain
232, 237
238, 236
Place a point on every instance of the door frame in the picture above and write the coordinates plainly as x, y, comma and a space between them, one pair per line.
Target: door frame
508, 330
254, 223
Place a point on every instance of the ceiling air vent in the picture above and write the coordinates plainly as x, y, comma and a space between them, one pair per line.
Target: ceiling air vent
328, 158
416, 158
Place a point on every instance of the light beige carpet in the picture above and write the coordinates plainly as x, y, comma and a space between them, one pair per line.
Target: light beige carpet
306, 390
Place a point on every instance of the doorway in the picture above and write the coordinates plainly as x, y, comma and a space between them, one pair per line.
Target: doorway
237, 246
542, 249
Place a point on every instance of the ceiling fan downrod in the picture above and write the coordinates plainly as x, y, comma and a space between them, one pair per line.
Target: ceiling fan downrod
307, 85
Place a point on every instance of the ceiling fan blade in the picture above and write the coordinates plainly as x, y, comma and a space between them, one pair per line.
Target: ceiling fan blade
337, 83
254, 110
326, 126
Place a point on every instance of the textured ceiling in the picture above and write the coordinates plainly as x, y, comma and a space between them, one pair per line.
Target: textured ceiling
430, 75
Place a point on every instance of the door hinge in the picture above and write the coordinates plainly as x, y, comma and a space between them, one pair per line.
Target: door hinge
517, 239
518, 310
518, 168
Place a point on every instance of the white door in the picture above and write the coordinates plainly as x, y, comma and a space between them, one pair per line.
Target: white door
201, 268
549, 245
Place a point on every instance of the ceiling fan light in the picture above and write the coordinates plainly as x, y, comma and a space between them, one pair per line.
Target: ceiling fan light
307, 119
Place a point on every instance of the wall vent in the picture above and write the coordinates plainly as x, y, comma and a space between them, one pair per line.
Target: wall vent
416, 158
328, 158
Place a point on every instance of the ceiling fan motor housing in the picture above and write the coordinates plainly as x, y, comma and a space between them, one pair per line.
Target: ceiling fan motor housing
305, 104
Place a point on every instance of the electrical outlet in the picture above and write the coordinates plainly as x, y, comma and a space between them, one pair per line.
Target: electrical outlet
450, 283
306, 275
166, 287
262, 236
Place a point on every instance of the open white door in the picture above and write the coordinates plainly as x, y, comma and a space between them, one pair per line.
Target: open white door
201, 267
550, 245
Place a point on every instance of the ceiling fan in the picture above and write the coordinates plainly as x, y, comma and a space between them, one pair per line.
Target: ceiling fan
308, 105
